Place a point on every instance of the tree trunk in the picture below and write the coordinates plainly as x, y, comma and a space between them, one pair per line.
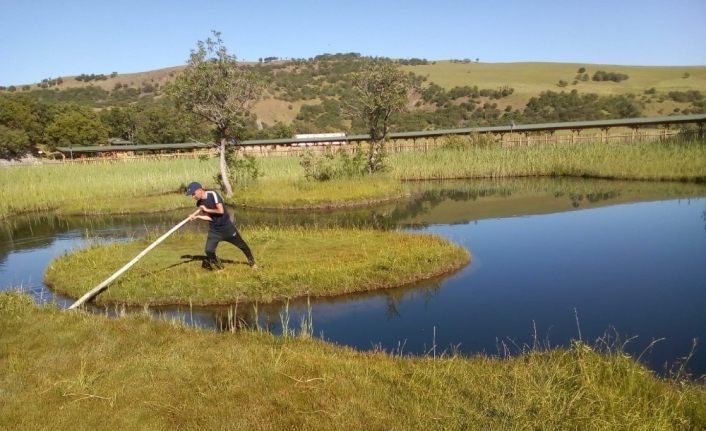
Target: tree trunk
224, 169
373, 156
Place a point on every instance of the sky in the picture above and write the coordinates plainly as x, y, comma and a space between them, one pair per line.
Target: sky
47, 39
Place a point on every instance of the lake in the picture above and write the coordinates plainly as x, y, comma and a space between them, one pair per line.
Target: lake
553, 260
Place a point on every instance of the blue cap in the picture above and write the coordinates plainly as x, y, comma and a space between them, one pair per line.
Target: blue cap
191, 188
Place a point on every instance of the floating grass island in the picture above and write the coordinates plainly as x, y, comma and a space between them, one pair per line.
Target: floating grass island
294, 262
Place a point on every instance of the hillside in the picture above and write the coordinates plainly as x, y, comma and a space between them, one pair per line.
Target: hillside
530, 79
526, 79
311, 95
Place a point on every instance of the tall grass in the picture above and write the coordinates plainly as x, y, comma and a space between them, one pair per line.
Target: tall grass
72, 370
672, 160
81, 187
135, 186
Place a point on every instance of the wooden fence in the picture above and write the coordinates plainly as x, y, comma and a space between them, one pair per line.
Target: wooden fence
606, 131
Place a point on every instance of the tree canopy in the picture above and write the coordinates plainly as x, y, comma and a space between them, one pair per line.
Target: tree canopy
216, 88
380, 90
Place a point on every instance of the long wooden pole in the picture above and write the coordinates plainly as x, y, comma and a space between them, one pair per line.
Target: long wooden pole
104, 285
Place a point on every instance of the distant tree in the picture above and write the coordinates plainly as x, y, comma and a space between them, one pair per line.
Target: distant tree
581, 70
162, 123
281, 130
121, 122
76, 126
214, 87
602, 75
147, 88
380, 90
13, 142
26, 114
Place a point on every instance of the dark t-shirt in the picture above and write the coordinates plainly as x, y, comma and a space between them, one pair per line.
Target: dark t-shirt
221, 222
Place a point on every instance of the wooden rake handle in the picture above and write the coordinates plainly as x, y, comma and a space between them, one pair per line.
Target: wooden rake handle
104, 285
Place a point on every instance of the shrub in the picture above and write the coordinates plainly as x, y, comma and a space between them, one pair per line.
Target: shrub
241, 170
475, 140
609, 76
333, 165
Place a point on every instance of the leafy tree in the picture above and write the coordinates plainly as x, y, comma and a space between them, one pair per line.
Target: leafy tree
164, 124
13, 142
76, 125
21, 112
602, 75
381, 89
214, 87
120, 122
281, 130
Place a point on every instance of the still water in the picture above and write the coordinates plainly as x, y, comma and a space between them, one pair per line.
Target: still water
553, 261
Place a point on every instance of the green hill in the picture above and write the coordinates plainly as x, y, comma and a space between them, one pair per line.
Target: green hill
527, 79
530, 79
309, 96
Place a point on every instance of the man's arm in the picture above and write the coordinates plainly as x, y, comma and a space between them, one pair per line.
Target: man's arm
201, 217
217, 210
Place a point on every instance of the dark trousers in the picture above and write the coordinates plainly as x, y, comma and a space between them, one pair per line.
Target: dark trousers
231, 236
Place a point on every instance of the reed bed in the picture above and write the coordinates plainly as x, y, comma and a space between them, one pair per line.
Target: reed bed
149, 186
672, 160
84, 188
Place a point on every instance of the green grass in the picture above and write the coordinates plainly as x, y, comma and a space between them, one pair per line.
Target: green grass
299, 193
125, 187
294, 262
73, 370
151, 186
100, 187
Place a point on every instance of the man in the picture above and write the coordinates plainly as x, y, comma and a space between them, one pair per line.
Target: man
220, 227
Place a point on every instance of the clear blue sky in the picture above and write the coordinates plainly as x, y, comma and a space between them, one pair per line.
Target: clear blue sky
42, 39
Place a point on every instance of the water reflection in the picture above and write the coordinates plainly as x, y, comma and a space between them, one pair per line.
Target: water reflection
626, 254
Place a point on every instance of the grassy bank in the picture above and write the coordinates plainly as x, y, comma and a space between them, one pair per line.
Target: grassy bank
293, 262
75, 370
150, 186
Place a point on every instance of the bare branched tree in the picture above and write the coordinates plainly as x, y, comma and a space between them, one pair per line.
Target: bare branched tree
381, 89
214, 87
